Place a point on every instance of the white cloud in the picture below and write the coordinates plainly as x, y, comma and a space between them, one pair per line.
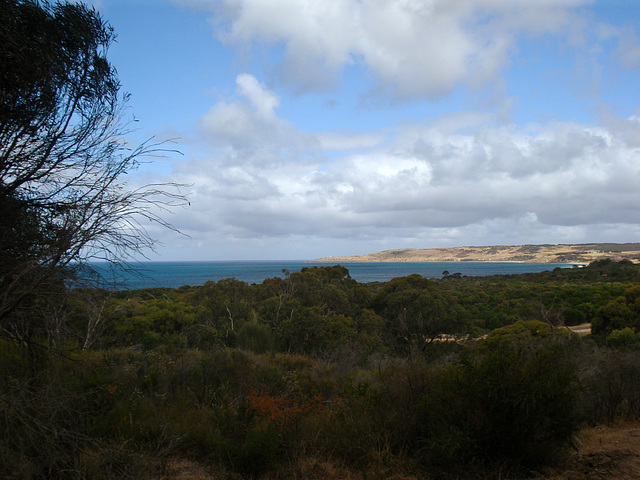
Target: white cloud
464, 177
413, 48
271, 189
248, 129
337, 141
262, 100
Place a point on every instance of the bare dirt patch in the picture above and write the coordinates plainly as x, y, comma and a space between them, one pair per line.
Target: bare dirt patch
603, 452
582, 329
182, 469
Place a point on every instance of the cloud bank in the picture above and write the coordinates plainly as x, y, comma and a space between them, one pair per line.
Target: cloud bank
460, 178
474, 177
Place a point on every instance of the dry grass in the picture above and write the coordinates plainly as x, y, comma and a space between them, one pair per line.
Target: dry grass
603, 452
303, 469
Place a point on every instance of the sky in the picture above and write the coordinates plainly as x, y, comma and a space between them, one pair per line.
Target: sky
312, 128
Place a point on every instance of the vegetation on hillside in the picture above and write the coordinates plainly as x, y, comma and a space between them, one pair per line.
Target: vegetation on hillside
454, 377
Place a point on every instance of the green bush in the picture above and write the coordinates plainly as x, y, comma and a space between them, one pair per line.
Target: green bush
625, 337
255, 337
514, 402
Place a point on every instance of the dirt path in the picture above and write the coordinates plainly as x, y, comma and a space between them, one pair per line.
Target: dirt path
582, 329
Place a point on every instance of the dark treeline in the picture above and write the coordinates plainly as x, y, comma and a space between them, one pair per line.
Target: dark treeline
318, 376
320, 310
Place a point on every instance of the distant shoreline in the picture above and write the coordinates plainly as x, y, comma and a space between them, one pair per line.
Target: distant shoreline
576, 254
342, 259
332, 259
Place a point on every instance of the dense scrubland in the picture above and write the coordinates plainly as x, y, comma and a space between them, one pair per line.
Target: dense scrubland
315, 375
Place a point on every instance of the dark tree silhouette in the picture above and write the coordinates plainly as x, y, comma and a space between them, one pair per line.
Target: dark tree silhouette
63, 198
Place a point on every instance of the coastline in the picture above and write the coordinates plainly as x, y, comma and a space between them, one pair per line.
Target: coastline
580, 254
458, 260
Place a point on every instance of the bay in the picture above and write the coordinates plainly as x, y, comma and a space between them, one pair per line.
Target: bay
177, 274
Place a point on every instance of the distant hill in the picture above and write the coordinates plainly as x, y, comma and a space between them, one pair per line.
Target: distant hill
581, 253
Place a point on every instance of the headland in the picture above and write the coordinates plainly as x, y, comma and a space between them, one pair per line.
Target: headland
548, 253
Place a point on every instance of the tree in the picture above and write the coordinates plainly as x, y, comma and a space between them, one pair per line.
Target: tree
416, 312
614, 315
63, 200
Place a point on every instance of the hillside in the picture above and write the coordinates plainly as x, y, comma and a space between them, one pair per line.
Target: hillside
582, 253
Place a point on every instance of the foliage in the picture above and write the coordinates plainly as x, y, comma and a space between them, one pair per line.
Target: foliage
320, 311
255, 337
509, 402
416, 313
63, 199
250, 379
612, 384
620, 313
625, 337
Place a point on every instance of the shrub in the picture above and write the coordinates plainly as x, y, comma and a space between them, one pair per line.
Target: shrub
612, 385
255, 337
514, 402
625, 337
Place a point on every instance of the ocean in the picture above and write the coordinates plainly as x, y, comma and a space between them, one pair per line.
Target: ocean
177, 274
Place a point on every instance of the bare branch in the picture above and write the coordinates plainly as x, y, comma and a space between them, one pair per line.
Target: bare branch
64, 200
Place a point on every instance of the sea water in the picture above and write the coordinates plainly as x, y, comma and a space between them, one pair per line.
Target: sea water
176, 274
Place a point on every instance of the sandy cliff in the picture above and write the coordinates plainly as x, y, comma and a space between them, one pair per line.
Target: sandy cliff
583, 253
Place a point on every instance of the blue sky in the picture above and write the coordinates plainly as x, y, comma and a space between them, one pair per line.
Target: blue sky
343, 127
